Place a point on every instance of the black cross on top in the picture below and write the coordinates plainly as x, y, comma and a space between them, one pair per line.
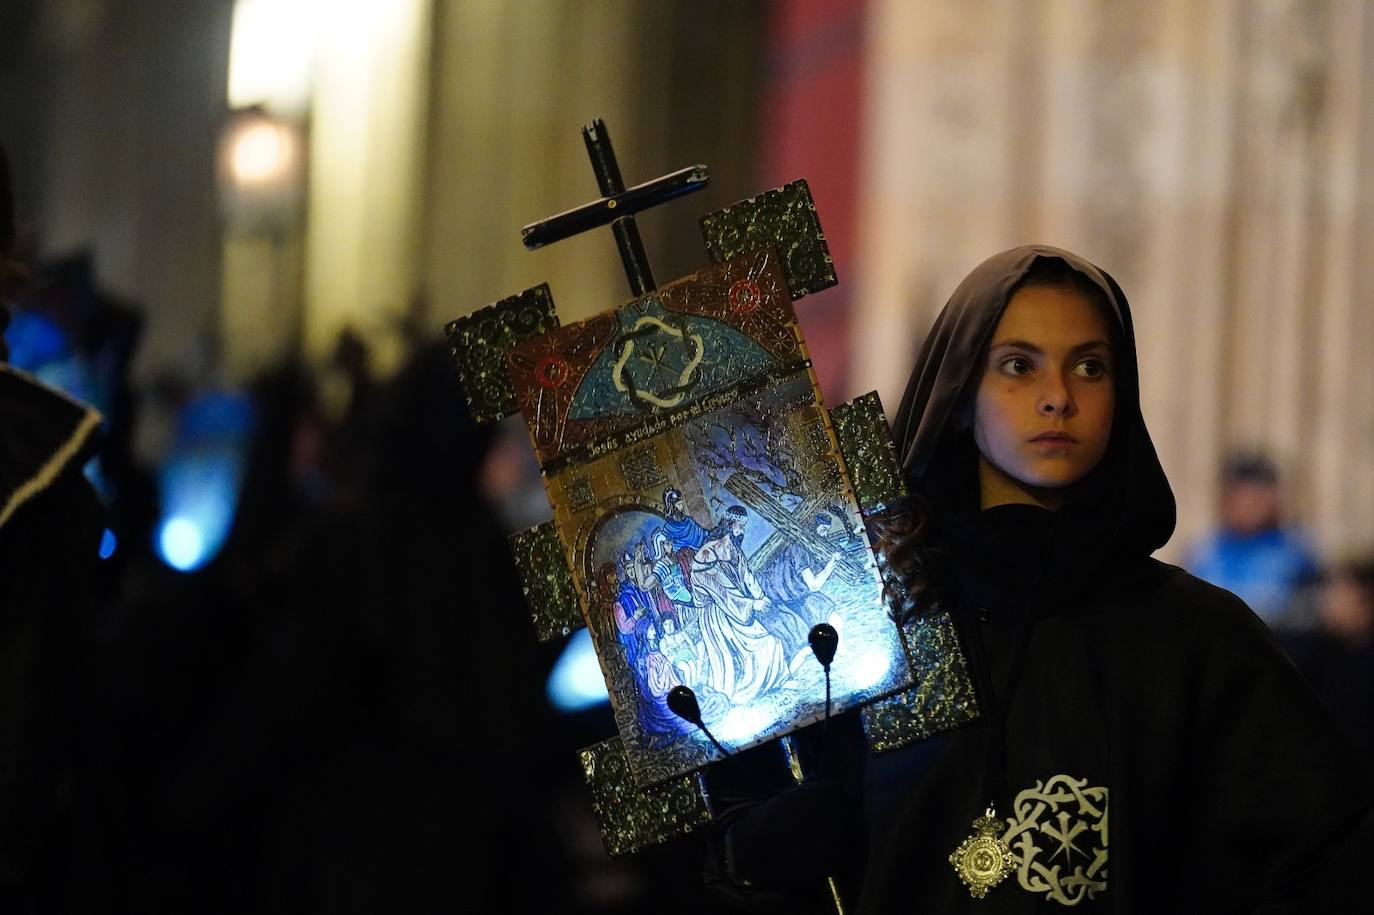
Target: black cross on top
617, 206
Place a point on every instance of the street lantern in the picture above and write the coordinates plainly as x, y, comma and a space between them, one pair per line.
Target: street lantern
262, 173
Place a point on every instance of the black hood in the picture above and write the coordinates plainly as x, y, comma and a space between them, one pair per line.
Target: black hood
1124, 508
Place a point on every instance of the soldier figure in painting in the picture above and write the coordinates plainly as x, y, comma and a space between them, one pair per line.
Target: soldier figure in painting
667, 568
681, 528
641, 570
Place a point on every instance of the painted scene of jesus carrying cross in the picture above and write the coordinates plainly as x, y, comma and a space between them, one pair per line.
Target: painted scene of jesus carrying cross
695, 481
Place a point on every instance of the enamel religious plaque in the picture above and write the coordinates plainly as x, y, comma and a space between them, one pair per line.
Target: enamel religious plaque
707, 510
704, 514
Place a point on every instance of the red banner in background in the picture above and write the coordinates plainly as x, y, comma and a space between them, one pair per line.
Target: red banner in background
812, 117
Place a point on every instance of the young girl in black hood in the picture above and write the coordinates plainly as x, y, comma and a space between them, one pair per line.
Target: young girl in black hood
1143, 745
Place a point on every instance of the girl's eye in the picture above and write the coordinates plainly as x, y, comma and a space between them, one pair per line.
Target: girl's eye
1090, 368
1016, 365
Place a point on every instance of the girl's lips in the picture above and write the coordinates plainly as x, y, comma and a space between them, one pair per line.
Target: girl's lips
1054, 438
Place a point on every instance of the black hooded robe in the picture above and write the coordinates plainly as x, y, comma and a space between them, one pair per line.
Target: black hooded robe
50, 528
1160, 753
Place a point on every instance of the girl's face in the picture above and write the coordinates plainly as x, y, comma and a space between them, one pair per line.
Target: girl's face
1043, 415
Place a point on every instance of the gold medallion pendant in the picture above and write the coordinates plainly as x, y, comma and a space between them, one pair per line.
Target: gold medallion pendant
983, 860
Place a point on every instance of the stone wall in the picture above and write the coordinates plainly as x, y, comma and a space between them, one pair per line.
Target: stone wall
1215, 157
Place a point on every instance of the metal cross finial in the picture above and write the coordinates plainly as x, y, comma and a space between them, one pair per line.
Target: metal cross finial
617, 206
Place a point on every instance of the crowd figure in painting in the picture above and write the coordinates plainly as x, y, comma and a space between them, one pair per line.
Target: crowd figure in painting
690, 609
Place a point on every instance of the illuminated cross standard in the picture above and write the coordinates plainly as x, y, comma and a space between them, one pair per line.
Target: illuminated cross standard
686, 451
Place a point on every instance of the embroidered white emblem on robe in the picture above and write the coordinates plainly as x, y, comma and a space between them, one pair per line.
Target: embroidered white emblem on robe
1058, 835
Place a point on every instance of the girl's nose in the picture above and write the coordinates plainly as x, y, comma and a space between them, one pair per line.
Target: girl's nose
1055, 399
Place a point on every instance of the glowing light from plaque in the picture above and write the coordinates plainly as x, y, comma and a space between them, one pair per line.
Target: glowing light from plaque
868, 670
744, 725
576, 683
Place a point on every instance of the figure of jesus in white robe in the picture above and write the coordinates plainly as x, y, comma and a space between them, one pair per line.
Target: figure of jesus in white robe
743, 659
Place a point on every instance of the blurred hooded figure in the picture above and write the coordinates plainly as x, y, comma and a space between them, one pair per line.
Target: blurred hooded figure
51, 523
458, 764
378, 745
1107, 681
1337, 657
428, 779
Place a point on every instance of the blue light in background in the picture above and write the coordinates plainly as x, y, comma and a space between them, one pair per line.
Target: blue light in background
35, 341
201, 478
576, 683
181, 543
38, 345
108, 544
200, 490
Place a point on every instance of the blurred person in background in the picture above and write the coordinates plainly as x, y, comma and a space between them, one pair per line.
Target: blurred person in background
351, 717
1255, 554
51, 522
443, 787
218, 678
1338, 657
